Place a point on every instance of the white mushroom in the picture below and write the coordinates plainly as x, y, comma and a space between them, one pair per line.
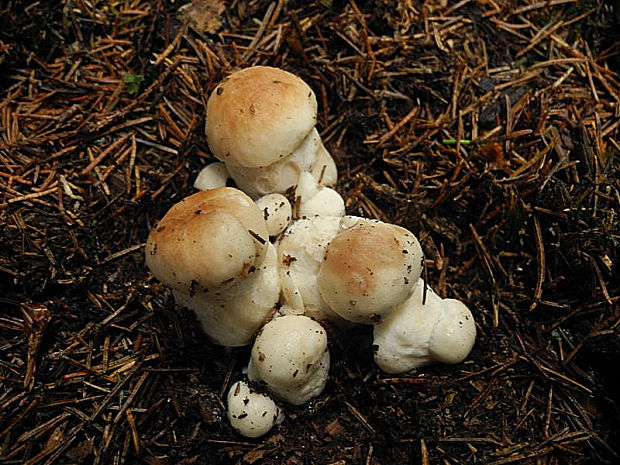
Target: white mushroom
290, 356
260, 123
251, 413
212, 248
211, 176
369, 269
455, 333
313, 199
420, 332
277, 212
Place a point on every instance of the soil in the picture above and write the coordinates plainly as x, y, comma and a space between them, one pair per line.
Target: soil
489, 129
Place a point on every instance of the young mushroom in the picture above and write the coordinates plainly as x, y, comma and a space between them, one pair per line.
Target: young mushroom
369, 269
290, 356
260, 123
422, 330
212, 249
277, 212
211, 176
313, 199
251, 413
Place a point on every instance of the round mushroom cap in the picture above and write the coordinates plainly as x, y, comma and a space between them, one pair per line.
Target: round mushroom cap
211, 176
207, 241
277, 212
369, 269
401, 340
290, 356
251, 413
259, 115
313, 199
454, 334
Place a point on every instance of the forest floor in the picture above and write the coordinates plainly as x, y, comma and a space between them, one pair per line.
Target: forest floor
489, 128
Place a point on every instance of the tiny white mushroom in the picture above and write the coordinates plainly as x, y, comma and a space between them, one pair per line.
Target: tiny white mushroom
313, 199
290, 356
324, 168
251, 413
455, 333
211, 176
277, 212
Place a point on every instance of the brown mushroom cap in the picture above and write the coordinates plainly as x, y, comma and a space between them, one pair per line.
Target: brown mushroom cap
258, 116
207, 241
369, 269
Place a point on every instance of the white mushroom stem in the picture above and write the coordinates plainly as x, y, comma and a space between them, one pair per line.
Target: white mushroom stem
310, 157
312, 199
211, 176
455, 333
423, 330
251, 413
232, 317
301, 250
324, 168
290, 356
281, 175
277, 212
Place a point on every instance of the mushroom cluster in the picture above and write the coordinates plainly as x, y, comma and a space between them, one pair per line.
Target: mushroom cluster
256, 267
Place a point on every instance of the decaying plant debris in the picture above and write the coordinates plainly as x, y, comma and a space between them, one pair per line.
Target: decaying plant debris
490, 128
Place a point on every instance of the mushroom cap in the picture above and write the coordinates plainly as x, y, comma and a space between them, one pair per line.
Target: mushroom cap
277, 212
313, 199
401, 340
251, 413
300, 252
232, 316
281, 175
207, 241
369, 269
259, 115
290, 356
455, 333
211, 176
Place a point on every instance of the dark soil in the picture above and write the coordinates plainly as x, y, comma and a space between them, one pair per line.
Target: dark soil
489, 128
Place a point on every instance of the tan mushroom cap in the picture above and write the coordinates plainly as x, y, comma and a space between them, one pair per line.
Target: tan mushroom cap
369, 269
207, 241
258, 116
